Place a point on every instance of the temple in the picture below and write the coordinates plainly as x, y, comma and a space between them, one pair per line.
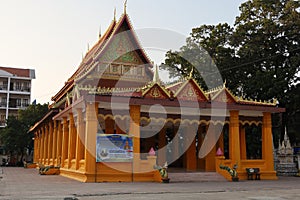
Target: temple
114, 109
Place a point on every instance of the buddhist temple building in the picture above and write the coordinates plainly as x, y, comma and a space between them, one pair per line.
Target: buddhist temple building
110, 115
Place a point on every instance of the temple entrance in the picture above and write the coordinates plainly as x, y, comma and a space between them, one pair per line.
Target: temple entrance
177, 143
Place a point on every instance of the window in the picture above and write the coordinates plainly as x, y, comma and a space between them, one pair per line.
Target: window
3, 85
18, 102
126, 69
3, 102
26, 87
115, 69
18, 86
139, 71
25, 103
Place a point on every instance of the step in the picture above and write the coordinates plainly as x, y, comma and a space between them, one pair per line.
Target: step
196, 177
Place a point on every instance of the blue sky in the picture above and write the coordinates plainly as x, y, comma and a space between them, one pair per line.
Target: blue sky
51, 36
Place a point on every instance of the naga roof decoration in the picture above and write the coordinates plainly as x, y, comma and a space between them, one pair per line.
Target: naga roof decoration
158, 91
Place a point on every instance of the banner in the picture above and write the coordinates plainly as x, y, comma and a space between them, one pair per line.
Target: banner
114, 148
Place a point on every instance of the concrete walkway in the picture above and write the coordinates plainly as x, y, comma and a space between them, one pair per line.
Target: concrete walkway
20, 183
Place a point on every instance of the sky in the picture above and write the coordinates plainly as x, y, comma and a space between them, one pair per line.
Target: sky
51, 36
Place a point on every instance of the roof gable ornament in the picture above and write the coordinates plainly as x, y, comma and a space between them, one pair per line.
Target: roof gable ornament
99, 35
191, 73
191, 90
125, 5
115, 13
156, 76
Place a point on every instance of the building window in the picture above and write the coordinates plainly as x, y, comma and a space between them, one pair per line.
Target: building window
18, 86
115, 69
26, 87
126, 69
3, 102
139, 71
3, 85
25, 103
18, 102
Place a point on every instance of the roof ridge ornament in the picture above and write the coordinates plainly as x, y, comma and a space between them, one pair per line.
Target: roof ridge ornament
191, 73
125, 5
156, 75
224, 84
100, 32
115, 12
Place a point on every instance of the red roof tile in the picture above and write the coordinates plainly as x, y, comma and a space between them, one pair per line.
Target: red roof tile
17, 71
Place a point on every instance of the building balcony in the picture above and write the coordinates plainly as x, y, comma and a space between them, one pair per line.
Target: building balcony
26, 90
3, 104
3, 87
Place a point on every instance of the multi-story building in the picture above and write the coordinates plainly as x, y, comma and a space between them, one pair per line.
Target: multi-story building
15, 91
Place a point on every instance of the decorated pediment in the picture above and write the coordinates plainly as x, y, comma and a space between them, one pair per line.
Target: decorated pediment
191, 91
224, 95
121, 49
156, 91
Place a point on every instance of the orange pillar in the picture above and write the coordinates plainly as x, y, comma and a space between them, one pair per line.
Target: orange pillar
54, 147
80, 137
267, 147
191, 157
45, 145
234, 138
41, 146
211, 138
71, 141
90, 140
59, 143
50, 143
64, 153
35, 148
243, 143
134, 129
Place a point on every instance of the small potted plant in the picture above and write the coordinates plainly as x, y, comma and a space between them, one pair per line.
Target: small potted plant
163, 172
232, 171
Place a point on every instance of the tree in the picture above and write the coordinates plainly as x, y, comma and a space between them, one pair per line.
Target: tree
259, 57
15, 136
206, 48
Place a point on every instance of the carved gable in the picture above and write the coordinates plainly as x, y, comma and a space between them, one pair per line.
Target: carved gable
122, 50
224, 96
190, 91
156, 92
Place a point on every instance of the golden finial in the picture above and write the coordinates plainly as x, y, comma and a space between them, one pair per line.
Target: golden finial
156, 75
99, 32
125, 5
224, 84
115, 12
191, 73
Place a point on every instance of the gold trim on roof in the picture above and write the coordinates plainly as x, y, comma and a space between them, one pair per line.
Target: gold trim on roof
148, 87
185, 83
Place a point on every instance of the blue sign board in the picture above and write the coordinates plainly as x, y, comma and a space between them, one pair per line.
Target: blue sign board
114, 148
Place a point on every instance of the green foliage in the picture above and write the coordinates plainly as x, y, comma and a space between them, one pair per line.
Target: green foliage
259, 57
15, 136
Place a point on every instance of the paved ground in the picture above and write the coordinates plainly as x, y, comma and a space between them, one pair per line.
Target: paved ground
20, 183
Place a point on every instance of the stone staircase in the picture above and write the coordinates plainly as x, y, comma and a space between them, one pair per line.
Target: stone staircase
196, 177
